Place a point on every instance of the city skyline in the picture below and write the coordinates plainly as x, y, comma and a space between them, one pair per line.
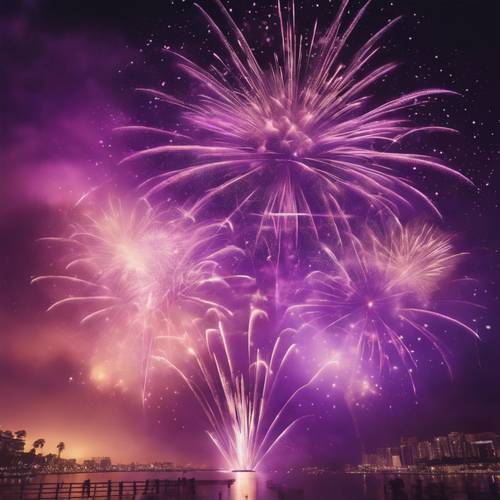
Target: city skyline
450, 452
455, 448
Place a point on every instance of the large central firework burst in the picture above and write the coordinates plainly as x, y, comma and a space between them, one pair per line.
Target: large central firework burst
294, 139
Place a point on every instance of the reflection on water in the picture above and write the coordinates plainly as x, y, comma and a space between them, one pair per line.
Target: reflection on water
245, 486
298, 485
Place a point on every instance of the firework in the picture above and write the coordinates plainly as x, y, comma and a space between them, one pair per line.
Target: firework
236, 384
378, 296
300, 137
140, 272
300, 140
418, 257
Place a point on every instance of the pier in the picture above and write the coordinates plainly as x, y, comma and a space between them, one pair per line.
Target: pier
181, 488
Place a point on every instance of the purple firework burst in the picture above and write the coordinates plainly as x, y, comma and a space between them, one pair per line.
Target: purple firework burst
142, 274
293, 139
379, 294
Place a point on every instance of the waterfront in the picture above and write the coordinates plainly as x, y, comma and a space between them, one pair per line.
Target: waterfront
311, 485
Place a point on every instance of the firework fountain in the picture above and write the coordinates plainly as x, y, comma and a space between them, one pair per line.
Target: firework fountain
237, 394
300, 140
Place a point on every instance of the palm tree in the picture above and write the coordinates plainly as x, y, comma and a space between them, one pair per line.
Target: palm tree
20, 434
39, 443
60, 448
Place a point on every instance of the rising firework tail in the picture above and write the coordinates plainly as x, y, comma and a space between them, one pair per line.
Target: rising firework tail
236, 391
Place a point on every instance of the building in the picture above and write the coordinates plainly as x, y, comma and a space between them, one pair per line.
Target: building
455, 451
99, 463
384, 457
441, 448
481, 446
456, 441
390, 457
424, 451
371, 459
105, 463
11, 442
395, 458
11, 447
470, 450
163, 465
68, 463
485, 450
90, 464
409, 451
51, 459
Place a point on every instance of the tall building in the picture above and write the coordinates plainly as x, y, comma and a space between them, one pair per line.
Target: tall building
441, 448
90, 464
456, 441
424, 451
102, 463
481, 446
384, 456
390, 456
371, 459
484, 449
409, 450
395, 458
470, 450
11, 442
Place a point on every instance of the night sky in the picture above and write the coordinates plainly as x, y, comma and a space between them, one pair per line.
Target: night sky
67, 77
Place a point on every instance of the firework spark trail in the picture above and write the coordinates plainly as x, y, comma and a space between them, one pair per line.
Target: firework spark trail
296, 139
237, 399
379, 295
141, 271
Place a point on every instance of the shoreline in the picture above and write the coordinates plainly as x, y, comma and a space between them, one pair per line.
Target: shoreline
6, 475
60, 473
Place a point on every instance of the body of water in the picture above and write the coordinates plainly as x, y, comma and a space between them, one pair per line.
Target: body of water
294, 485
